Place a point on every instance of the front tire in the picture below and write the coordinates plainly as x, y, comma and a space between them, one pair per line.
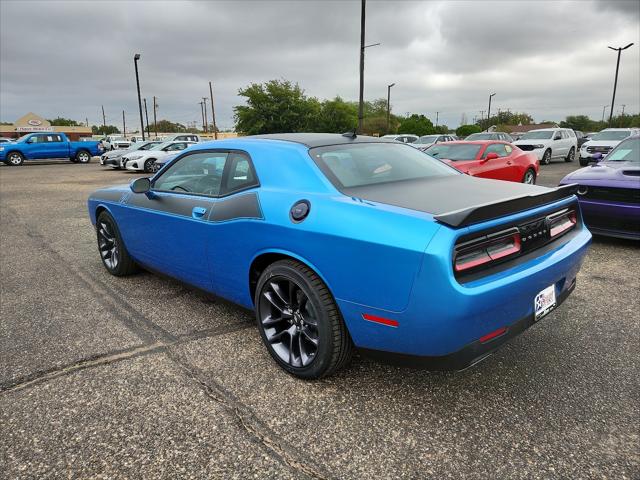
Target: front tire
584, 162
15, 159
148, 165
529, 177
546, 158
299, 321
571, 156
113, 252
83, 156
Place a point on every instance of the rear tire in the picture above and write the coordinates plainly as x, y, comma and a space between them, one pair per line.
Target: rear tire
82, 156
114, 254
546, 158
529, 177
584, 162
571, 156
15, 159
299, 321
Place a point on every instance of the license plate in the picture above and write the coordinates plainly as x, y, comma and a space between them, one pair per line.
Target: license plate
544, 302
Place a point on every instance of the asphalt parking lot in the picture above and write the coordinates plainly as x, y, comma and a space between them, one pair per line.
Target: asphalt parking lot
104, 377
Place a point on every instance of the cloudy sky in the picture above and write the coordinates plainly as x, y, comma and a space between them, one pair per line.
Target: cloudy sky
548, 58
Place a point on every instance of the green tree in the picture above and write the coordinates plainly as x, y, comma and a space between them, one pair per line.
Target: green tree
65, 122
104, 130
465, 130
506, 118
336, 116
416, 124
441, 129
274, 107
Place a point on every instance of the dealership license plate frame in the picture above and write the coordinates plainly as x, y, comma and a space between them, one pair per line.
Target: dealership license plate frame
544, 302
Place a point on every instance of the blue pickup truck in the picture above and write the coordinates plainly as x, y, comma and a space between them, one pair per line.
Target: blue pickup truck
47, 145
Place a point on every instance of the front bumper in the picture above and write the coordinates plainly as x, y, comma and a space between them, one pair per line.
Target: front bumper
612, 219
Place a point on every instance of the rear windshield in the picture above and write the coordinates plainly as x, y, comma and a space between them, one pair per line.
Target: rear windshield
371, 163
427, 139
481, 136
454, 152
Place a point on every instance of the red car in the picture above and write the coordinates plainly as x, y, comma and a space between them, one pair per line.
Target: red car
488, 159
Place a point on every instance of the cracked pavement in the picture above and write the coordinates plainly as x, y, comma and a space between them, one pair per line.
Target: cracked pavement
143, 377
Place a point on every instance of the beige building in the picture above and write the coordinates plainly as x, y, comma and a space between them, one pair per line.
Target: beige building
33, 123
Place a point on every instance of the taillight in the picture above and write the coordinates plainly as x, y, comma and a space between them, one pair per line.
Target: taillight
487, 249
561, 222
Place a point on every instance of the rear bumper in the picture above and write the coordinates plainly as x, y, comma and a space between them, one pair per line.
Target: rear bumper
467, 356
614, 219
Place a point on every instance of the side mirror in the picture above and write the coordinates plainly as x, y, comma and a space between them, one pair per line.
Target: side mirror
140, 185
557, 137
491, 156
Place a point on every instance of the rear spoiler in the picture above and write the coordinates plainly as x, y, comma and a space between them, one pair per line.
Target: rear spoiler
489, 211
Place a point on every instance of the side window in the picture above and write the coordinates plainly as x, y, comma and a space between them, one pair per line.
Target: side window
240, 174
175, 147
199, 173
498, 148
57, 138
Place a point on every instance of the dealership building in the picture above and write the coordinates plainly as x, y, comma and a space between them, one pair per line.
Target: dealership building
33, 123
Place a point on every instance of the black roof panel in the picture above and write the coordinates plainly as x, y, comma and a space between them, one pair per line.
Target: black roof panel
312, 140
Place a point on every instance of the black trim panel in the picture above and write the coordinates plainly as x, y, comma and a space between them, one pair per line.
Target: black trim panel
239, 206
169, 203
108, 195
467, 356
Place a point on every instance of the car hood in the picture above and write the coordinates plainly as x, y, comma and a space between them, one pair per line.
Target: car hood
613, 171
458, 199
601, 143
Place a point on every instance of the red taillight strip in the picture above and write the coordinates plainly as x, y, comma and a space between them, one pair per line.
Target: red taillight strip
492, 335
383, 321
568, 222
483, 248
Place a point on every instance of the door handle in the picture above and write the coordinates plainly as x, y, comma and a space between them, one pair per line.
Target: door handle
198, 212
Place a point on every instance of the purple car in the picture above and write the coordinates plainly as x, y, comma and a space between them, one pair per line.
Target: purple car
609, 191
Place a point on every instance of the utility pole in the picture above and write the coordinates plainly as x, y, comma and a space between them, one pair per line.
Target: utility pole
603, 110
104, 120
615, 82
489, 111
213, 113
437, 117
86, 119
622, 114
206, 122
124, 126
202, 112
136, 57
363, 7
389, 106
155, 123
146, 114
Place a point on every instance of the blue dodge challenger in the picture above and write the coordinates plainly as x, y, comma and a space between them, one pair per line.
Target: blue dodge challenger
342, 241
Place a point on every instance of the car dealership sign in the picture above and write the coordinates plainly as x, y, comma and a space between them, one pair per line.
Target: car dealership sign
34, 129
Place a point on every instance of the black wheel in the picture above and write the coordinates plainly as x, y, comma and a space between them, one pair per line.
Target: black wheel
571, 156
83, 156
15, 159
299, 321
114, 254
148, 165
546, 158
529, 177
584, 162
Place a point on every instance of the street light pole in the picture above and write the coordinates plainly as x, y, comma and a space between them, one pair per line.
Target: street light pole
603, 110
437, 117
615, 82
363, 9
206, 122
389, 106
202, 112
146, 115
155, 122
489, 111
136, 57
213, 113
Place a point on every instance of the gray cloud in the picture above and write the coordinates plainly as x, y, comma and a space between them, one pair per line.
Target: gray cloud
547, 58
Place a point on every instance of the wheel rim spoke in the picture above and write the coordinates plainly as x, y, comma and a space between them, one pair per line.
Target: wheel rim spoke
289, 321
107, 245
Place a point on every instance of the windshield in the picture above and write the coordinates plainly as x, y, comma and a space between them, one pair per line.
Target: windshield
611, 135
23, 138
160, 146
539, 135
147, 146
481, 136
455, 152
627, 151
371, 163
427, 139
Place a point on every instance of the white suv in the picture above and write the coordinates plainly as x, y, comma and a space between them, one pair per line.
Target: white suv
605, 141
548, 143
